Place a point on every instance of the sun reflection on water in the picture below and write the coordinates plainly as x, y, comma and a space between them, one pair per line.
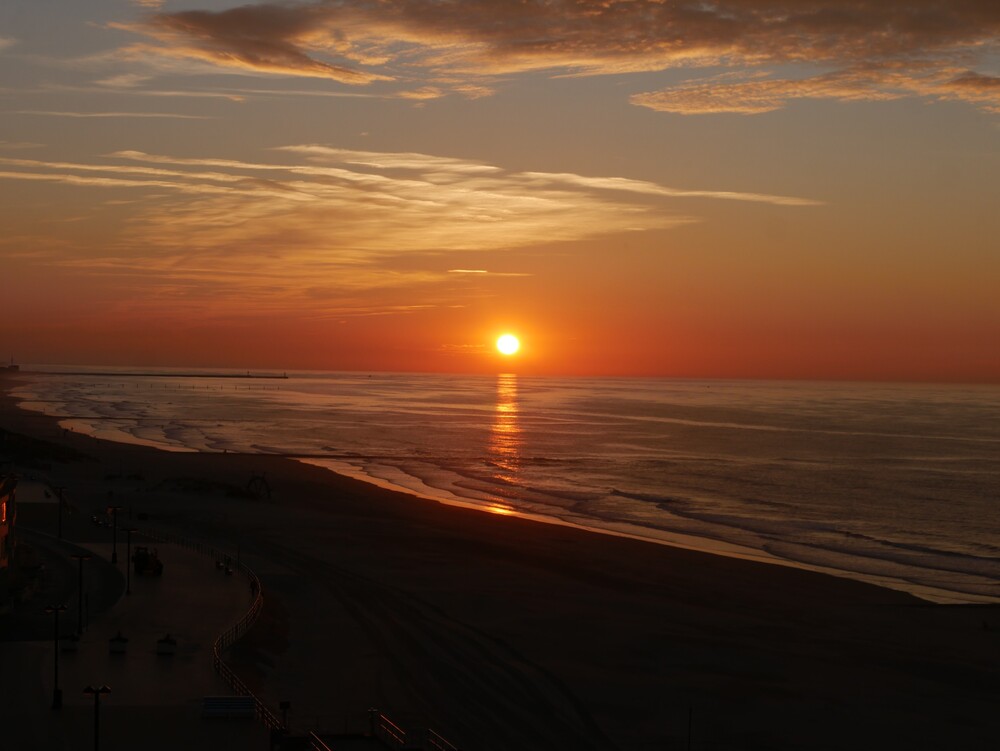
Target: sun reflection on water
505, 435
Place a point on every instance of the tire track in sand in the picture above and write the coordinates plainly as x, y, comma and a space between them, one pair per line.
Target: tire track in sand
461, 680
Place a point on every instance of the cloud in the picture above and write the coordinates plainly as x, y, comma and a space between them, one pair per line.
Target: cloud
153, 115
386, 161
6, 42
387, 202
131, 85
239, 228
423, 93
107, 87
755, 94
264, 38
123, 81
117, 182
972, 87
652, 189
127, 176
19, 145
975, 82
484, 272
467, 44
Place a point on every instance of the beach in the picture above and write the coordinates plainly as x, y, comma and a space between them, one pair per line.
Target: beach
504, 633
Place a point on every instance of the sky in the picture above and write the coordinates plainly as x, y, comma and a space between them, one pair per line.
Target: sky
734, 189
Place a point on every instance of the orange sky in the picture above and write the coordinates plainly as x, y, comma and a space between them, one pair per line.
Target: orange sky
758, 188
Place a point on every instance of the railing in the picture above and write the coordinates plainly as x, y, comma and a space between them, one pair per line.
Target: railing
394, 736
381, 726
387, 731
436, 742
316, 743
234, 632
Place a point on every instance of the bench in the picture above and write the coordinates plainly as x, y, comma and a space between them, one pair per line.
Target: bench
228, 706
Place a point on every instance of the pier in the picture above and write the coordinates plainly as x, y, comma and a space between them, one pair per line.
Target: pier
139, 374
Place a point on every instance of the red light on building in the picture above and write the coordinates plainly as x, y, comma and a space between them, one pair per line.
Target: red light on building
7, 485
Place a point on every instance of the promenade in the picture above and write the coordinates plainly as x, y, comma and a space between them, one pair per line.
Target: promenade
156, 699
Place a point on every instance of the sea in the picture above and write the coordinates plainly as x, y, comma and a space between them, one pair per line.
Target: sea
894, 484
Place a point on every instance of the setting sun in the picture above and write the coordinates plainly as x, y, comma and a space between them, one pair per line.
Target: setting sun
508, 344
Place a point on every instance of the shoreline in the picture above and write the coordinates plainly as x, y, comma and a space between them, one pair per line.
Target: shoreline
649, 535
505, 633
669, 539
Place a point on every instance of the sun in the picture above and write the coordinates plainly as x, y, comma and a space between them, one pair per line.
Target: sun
508, 344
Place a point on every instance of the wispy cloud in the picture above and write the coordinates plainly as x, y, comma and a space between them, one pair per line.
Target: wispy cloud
755, 94
68, 178
652, 189
107, 87
152, 115
877, 49
243, 229
123, 81
6, 42
389, 161
423, 93
132, 86
484, 272
19, 145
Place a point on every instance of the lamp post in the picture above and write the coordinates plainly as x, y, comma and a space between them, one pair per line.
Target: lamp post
97, 711
59, 503
80, 558
114, 533
128, 561
56, 693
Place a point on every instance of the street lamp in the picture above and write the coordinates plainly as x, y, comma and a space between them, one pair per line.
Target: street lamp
80, 558
97, 711
114, 534
59, 503
128, 561
56, 693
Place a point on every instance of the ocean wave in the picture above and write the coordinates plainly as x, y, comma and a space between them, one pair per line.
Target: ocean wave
855, 479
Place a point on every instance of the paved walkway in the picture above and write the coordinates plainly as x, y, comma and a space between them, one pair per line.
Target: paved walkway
155, 699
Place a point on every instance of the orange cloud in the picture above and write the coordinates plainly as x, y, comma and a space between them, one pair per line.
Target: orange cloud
973, 87
18, 145
755, 94
469, 41
266, 38
325, 219
758, 94
145, 115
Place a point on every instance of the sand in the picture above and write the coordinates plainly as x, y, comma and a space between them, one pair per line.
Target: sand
502, 633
